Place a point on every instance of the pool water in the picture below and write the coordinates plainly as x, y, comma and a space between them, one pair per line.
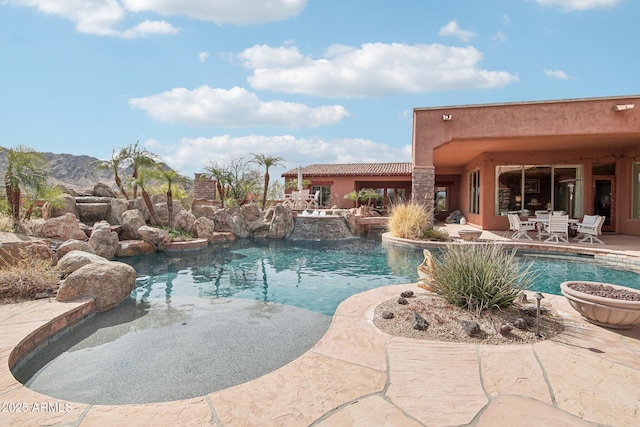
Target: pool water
319, 275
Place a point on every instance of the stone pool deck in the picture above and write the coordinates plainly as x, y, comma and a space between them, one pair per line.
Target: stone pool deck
358, 375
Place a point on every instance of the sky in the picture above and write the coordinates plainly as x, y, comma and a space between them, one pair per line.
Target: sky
312, 81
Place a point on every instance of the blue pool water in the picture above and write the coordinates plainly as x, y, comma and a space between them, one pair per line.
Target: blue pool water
319, 275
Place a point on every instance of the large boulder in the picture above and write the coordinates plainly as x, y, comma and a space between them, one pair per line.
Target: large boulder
73, 260
90, 213
65, 204
158, 238
205, 229
15, 247
109, 284
134, 247
282, 222
131, 221
205, 211
184, 221
162, 211
251, 213
118, 207
223, 220
103, 240
74, 245
64, 227
103, 190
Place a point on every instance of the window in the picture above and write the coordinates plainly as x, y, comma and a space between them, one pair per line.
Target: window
442, 204
325, 194
528, 188
635, 191
474, 192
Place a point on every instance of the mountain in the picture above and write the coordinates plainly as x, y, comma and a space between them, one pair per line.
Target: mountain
75, 172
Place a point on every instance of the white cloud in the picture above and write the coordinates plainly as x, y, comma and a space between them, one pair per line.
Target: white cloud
193, 154
98, 17
506, 19
103, 17
374, 69
236, 107
238, 12
556, 74
202, 56
570, 5
454, 30
500, 36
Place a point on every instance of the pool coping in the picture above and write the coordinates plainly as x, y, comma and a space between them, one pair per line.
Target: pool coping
587, 375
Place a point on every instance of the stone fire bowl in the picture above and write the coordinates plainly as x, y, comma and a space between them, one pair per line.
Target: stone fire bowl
602, 311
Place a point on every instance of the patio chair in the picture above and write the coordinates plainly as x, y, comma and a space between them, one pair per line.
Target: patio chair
519, 227
544, 216
557, 228
590, 228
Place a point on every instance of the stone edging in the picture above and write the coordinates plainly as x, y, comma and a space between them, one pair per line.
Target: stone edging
39, 339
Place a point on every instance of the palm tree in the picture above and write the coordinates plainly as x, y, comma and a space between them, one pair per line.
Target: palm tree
113, 165
144, 175
354, 196
138, 157
45, 192
267, 162
27, 168
220, 175
171, 177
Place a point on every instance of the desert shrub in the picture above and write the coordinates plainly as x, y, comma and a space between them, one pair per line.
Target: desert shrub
481, 277
178, 235
436, 234
29, 277
410, 220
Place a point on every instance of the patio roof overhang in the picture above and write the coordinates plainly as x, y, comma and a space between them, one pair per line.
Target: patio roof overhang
458, 152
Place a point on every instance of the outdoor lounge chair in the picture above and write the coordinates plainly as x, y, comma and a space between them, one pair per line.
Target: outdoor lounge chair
519, 227
590, 228
557, 228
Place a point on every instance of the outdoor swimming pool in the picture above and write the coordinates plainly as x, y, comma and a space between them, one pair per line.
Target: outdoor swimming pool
204, 320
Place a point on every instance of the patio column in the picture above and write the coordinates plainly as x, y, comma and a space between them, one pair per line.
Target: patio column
423, 185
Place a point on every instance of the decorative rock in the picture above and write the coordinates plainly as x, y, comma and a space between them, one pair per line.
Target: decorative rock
64, 227
14, 247
132, 220
205, 211
520, 323
419, 322
403, 301
74, 245
426, 271
118, 208
388, 315
251, 213
282, 223
162, 211
221, 236
90, 213
223, 220
103, 190
505, 330
108, 283
532, 310
184, 220
103, 240
407, 294
65, 205
158, 238
75, 259
471, 328
134, 247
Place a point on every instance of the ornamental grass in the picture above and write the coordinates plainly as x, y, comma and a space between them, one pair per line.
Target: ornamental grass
481, 277
410, 220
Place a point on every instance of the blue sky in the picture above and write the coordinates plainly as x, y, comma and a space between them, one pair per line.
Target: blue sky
313, 81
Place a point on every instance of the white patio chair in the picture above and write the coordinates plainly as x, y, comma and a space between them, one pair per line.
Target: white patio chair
519, 227
590, 228
557, 228
544, 216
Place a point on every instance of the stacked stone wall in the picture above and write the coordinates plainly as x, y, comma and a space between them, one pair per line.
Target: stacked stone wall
204, 188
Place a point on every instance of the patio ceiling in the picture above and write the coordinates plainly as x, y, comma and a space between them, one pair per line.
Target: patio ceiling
461, 152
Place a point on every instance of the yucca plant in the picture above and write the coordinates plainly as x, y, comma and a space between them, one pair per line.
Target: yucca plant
410, 220
481, 277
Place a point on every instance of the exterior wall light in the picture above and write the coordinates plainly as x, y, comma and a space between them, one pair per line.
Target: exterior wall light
622, 107
447, 117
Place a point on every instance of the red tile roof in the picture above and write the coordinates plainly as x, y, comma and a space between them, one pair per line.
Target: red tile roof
353, 169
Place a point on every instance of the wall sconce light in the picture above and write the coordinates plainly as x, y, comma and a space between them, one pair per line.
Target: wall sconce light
447, 117
622, 107
518, 199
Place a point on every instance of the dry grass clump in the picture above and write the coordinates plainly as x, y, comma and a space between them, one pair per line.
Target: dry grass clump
410, 220
29, 277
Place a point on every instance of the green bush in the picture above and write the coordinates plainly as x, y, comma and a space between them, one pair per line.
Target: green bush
481, 277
